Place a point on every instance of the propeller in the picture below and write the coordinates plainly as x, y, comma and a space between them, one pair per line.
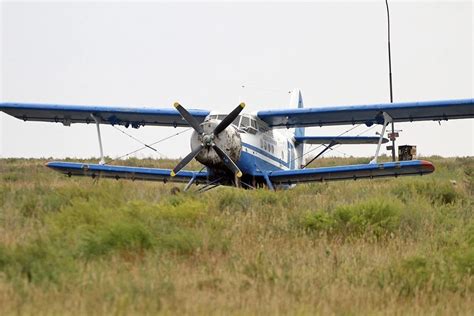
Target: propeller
208, 139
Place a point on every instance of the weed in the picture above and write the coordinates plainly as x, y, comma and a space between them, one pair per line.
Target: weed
68, 245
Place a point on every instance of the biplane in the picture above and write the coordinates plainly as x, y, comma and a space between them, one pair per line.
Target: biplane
249, 150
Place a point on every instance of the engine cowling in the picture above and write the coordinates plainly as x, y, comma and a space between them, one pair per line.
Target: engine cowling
228, 140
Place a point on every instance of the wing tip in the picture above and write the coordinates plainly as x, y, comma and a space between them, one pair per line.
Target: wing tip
427, 166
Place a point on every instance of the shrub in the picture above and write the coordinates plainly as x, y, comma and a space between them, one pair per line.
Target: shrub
37, 261
376, 217
117, 236
411, 274
436, 191
234, 200
318, 221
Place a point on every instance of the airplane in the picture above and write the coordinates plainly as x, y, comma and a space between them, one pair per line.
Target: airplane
249, 150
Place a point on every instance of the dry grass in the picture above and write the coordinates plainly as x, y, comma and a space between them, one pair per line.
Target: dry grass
391, 246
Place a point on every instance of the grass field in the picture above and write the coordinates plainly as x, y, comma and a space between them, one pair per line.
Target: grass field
388, 246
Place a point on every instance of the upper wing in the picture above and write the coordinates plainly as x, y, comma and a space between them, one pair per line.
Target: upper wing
68, 114
370, 114
125, 172
388, 169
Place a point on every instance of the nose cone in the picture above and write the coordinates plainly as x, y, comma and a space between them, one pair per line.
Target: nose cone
228, 140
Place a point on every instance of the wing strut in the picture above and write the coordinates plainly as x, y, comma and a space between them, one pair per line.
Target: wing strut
386, 120
102, 160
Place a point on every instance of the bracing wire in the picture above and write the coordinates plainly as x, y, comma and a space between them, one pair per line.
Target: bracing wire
136, 139
313, 149
336, 146
148, 146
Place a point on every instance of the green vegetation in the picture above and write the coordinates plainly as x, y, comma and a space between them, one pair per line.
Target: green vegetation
391, 246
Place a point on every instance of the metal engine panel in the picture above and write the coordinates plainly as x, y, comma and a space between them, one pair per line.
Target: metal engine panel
228, 140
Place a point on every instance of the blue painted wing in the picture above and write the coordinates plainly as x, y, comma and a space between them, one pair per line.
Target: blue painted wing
338, 139
124, 172
68, 114
370, 114
388, 169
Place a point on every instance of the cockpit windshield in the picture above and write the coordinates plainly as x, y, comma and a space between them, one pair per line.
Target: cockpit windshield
220, 117
245, 123
236, 121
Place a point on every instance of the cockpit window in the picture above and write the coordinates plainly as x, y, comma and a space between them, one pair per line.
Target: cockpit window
220, 117
236, 121
245, 122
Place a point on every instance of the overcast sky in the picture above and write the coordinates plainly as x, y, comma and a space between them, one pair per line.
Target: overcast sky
201, 54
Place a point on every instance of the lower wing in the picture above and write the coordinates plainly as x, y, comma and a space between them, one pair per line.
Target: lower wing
124, 172
388, 169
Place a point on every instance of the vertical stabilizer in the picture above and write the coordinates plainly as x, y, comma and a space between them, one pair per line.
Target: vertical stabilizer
296, 101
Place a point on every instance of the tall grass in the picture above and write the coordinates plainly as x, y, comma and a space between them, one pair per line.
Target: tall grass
77, 246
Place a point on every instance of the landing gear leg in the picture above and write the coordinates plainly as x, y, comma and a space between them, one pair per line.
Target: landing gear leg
268, 181
237, 182
186, 188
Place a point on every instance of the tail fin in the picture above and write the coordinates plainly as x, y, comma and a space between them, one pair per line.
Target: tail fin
296, 101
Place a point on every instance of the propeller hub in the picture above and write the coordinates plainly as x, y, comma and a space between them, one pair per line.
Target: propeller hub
207, 139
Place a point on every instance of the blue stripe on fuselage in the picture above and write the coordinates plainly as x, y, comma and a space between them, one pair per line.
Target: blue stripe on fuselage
253, 165
266, 154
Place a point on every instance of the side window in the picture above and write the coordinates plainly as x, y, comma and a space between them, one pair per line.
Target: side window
253, 124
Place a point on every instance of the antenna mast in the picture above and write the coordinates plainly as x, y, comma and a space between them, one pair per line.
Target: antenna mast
390, 78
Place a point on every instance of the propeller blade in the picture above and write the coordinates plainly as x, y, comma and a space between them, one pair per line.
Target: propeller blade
186, 160
227, 161
229, 119
188, 118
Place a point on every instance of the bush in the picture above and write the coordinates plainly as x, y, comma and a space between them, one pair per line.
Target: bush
234, 200
436, 191
376, 217
411, 274
37, 261
117, 236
